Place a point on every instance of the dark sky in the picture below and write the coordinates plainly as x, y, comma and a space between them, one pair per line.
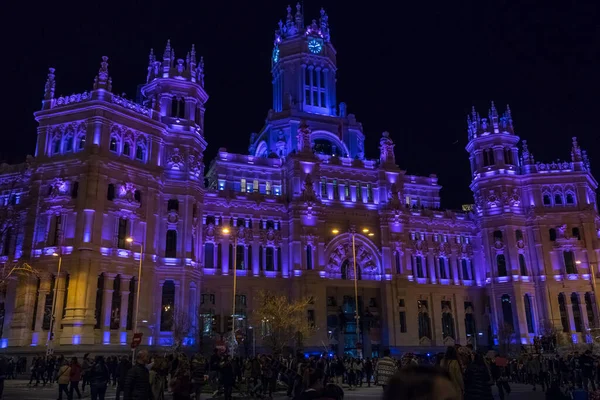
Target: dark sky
414, 69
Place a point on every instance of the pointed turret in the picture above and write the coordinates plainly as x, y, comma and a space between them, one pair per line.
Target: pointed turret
192, 62
103, 80
493, 117
200, 72
50, 85
166, 62
324, 22
299, 18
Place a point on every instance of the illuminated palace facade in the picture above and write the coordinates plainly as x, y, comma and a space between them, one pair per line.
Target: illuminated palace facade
518, 261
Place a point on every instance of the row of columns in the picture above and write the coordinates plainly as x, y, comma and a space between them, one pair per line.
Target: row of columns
431, 267
254, 263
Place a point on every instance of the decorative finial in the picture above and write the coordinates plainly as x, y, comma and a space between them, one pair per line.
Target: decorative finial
576, 151
151, 57
299, 19
102, 80
193, 54
493, 115
526, 155
200, 72
50, 85
324, 25
386, 149
586, 160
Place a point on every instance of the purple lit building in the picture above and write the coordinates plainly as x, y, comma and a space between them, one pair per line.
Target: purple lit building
517, 262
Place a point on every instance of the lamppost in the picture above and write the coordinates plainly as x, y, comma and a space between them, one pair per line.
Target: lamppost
49, 342
352, 233
226, 231
137, 295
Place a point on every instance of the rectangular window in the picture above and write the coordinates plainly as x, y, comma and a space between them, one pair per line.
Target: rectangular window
255, 186
268, 187
243, 186
347, 190
336, 194
122, 233
171, 244
401, 303
322, 80
369, 193
307, 96
403, 322
323, 100
315, 98
55, 228
359, 193
569, 262
323, 188
311, 317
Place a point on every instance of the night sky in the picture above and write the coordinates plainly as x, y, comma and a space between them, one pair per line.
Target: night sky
413, 69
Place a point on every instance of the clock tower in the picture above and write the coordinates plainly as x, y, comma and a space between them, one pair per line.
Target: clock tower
304, 65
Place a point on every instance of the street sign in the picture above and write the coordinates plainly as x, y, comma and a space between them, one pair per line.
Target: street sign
136, 340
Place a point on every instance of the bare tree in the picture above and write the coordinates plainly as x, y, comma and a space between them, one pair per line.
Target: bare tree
181, 328
284, 321
506, 337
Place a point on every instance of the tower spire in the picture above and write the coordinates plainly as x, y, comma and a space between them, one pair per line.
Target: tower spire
50, 85
102, 80
299, 17
166, 64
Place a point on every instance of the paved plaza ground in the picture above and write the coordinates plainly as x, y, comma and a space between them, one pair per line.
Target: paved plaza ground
19, 390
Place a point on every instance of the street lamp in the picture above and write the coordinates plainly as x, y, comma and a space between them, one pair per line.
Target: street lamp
137, 295
49, 342
352, 233
226, 231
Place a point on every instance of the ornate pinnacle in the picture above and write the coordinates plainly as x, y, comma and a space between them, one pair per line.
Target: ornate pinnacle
193, 54
493, 114
526, 155
50, 85
167, 53
200, 72
299, 20
102, 80
151, 57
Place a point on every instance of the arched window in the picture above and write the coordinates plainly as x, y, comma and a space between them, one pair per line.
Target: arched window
447, 320
570, 267
140, 152
137, 196
420, 271
522, 265
575, 233
167, 306
518, 235
171, 244
69, 144
570, 198
508, 156
344, 269
114, 146
464, 265
115, 309
209, 255
81, 142
529, 314
498, 236
442, 263
501, 262
127, 149
270, 259
424, 320
547, 200
239, 257
558, 198
110, 192
56, 146
309, 261
552, 234
576, 312
564, 317
507, 312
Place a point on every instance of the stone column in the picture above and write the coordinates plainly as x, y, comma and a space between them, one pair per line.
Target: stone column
255, 257
125, 282
431, 267
44, 290
10, 302
60, 285
453, 264
435, 312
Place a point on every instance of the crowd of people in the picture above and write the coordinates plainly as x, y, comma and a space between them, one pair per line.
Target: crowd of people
459, 373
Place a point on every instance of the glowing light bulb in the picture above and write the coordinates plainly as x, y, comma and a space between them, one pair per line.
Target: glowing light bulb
335, 231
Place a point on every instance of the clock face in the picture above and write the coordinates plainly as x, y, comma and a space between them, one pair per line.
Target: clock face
314, 46
275, 54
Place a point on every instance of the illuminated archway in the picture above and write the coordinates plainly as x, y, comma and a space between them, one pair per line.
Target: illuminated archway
338, 254
331, 138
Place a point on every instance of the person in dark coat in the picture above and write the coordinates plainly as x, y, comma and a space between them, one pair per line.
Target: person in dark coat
137, 382
122, 370
478, 380
227, 377
99, 378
